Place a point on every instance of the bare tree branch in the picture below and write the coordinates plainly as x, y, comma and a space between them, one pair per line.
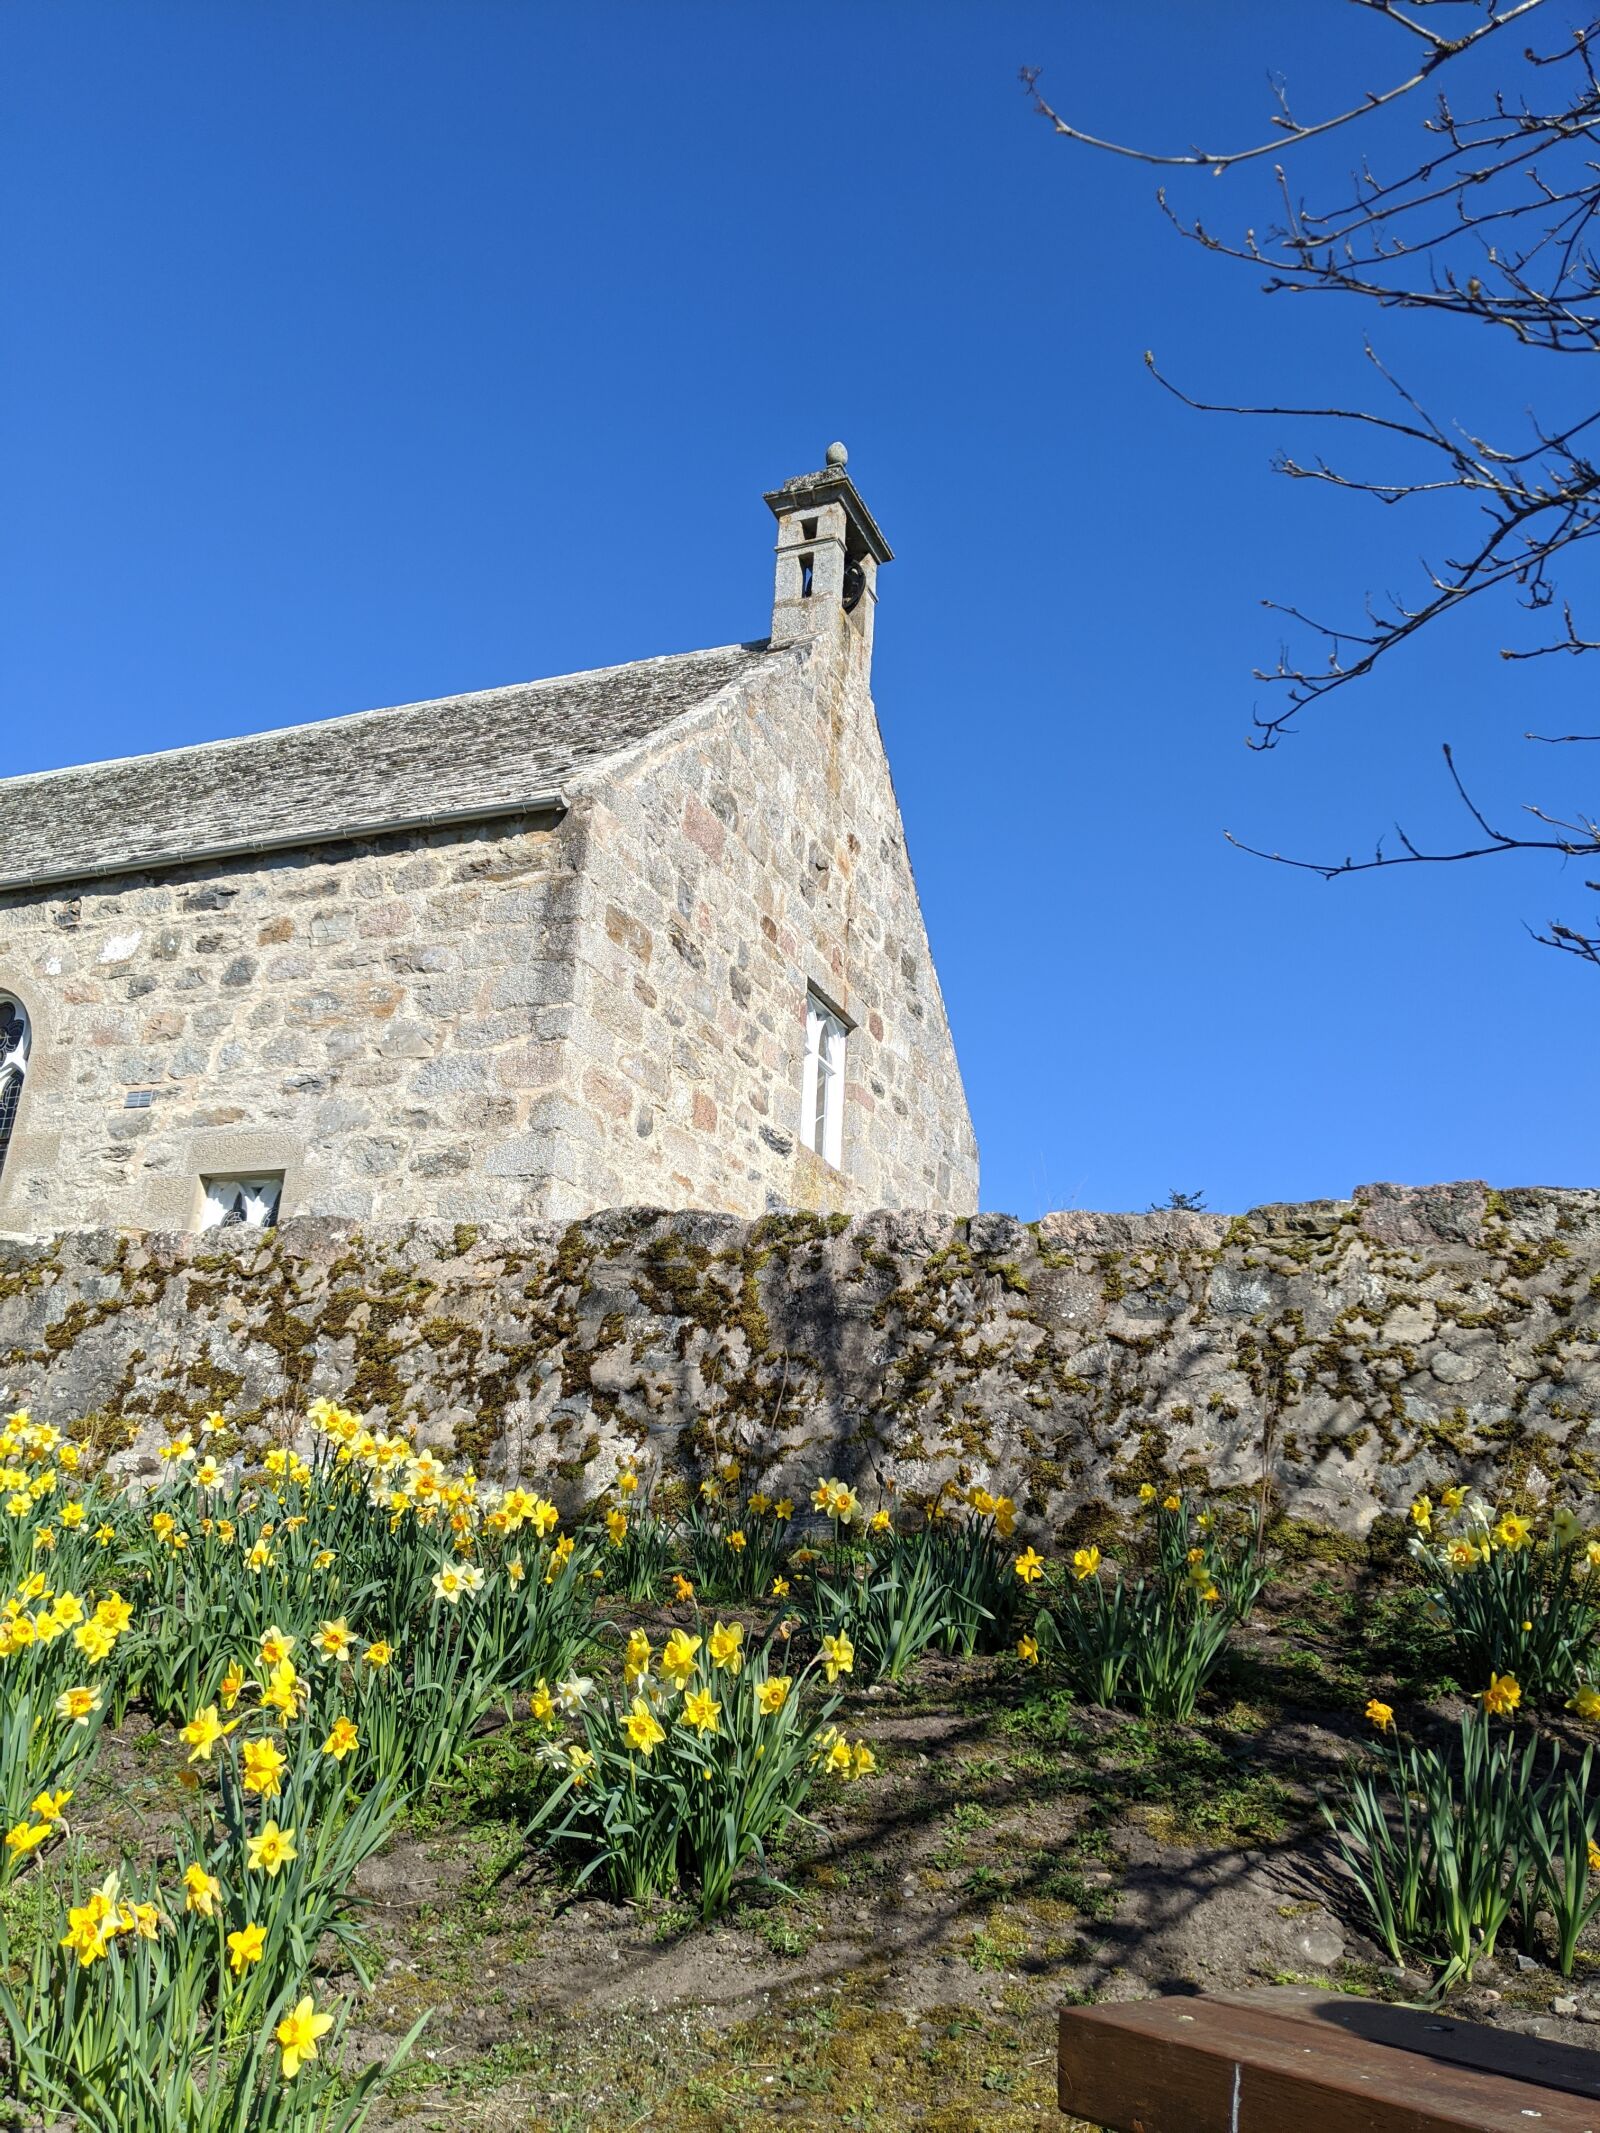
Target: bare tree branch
1496, 221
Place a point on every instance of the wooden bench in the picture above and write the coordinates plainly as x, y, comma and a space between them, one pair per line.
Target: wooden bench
1298, 2061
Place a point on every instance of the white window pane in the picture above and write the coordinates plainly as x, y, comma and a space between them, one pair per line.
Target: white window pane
822, 1083
240, 1203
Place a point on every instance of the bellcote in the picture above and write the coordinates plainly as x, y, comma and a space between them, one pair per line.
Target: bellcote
829, 549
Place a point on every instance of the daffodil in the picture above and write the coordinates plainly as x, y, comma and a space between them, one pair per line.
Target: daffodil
701, 1710
1586, 1702
773, 1693
641, 1728
264, 1766
201, 1892
203, 1732
275, 1646
245, 1947
333, 1639
678, 1659
838, 1655
1380, 1714
342, 1738
1028, 1649
78, 1705
1085, 1562
1502, 1696
1029, 1566
727, 1646
636, 1659
26, 1837
271, 1851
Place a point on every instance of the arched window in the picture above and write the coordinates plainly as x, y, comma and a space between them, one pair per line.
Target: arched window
14, 1036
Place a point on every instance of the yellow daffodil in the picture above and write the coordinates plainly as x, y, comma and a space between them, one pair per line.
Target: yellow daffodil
245, 1947
838, 1656
1085, 1562
1380, 1714
378, 1654
1029, 1566
681, 1587
342, 1738
333, 1639
1586, 1702
780, 1588
636, 1659
201, 1892
641, 1729
727, 1646
1422, 1513
264, 1766
203, 1732
1502, 1696
78, 1705
773, 1693
285, 1691
678, 1659
26, 1837
275, 1646
1514, 1533
701, 1710
1028, 1649
271, 1851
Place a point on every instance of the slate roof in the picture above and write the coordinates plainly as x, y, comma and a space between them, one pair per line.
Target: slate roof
495, 752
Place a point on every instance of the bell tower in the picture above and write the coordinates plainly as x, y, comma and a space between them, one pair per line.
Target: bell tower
829, 549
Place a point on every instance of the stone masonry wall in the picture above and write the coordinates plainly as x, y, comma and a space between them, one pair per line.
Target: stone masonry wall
360, 1018
744, 855
1347, 1352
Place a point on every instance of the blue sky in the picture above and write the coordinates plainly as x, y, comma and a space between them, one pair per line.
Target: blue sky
359, 351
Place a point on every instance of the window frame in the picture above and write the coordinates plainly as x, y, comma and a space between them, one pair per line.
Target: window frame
15, 1073
266, 1186
822, 1080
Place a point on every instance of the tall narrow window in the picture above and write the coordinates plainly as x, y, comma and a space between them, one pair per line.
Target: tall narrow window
822, 1085
14, 1037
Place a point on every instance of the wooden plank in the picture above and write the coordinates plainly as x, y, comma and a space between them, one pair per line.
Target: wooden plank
1436, 2033
1200, 2066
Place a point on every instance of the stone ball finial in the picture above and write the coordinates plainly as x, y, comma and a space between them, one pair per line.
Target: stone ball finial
837, 456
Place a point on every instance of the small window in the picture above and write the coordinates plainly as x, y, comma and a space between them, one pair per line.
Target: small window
14, 1039
822, 1086
241, 1203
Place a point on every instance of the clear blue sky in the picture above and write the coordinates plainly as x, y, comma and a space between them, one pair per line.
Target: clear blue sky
359, 351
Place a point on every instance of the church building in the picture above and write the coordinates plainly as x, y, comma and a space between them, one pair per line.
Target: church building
646, 935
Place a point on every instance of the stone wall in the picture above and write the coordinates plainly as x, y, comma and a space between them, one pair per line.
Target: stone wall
745, 855
1351, 1352
358, 1017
